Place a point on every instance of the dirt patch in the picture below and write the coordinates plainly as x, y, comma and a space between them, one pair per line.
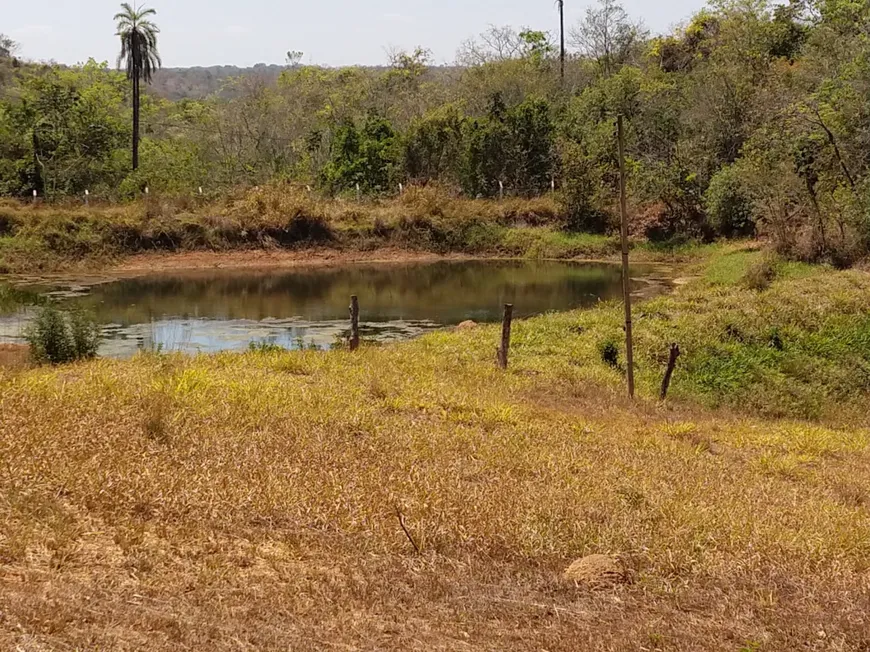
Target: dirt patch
14, 356
261, 258
468, 325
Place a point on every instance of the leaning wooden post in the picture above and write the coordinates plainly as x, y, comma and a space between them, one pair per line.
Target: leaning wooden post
505, 336
672, 364
354, 323
626, 277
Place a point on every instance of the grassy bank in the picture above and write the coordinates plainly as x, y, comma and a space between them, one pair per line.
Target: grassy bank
51, 237
251, 501
48, 238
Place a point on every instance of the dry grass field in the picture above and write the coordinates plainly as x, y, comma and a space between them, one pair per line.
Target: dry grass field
257, 501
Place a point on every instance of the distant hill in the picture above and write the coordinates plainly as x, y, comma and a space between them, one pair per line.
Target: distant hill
200, 82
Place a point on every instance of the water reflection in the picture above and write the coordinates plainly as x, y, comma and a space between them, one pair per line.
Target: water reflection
228, 309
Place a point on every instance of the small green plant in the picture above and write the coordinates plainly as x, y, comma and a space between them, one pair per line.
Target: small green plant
610, 353
59, 337
265, 346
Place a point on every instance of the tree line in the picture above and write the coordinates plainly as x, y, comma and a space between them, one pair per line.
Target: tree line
750, 117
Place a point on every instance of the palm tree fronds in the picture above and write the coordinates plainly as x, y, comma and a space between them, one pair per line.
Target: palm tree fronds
138, 41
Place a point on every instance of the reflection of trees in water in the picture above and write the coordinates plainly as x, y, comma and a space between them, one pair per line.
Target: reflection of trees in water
13, 299
444, 292
210, 336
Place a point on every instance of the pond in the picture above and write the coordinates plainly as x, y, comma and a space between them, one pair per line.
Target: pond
215, 310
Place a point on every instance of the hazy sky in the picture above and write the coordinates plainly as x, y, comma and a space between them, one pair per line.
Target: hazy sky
330, 32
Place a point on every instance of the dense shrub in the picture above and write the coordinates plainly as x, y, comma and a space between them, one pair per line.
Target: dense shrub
728, 206
58, 337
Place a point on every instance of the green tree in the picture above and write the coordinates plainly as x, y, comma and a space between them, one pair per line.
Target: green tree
433, 146
64, 131
514, 146
365, 156
139, 55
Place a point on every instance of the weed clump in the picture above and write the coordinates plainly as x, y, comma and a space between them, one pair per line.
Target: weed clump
264, 346
610, 354
60, 337
760, 274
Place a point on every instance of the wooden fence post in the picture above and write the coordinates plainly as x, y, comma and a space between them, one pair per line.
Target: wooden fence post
672, 363
354, 323
505, 336
626, 276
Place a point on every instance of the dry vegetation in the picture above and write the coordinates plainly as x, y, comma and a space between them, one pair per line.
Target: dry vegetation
14, 356
49, 237
249, 502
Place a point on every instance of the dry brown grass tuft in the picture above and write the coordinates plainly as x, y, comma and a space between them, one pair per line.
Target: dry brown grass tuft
596, 571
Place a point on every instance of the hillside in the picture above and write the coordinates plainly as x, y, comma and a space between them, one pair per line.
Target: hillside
201, 82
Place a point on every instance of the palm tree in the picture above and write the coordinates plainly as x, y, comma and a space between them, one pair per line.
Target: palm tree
139, 53
561, 4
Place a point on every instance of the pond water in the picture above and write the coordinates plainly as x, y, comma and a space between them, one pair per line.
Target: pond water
214, 310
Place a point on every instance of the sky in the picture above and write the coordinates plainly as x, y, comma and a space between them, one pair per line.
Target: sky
333, 32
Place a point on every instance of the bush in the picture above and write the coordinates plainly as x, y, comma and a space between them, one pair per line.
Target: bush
760, 274
58, 337
729, 208
666, 228
609, 351
581, 190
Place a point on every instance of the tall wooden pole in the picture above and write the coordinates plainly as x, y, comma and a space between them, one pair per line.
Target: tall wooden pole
562, 41
505, 347
626, 276
354, 323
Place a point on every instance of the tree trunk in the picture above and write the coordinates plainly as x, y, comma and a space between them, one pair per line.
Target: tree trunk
136, 121
833, 141
811, 189
137, 70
